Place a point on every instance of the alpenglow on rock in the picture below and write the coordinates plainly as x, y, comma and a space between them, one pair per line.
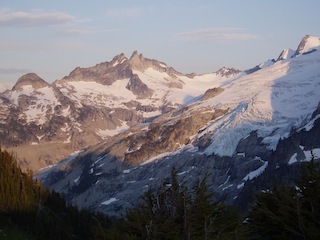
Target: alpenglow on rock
246, 131
44, 123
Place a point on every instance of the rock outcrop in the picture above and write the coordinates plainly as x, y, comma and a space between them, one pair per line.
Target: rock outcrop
87, 106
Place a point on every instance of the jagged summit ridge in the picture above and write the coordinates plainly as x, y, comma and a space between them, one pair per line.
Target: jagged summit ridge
139, 63
95, 103
286, 54
227, 72
308, 44
31, 79
236, 128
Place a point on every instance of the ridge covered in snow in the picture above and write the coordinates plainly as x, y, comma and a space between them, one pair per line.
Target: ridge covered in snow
241, 127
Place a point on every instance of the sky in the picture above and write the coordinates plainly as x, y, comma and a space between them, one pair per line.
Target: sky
51, 38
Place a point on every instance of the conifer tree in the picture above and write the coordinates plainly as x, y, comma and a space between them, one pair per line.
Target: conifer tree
290, 212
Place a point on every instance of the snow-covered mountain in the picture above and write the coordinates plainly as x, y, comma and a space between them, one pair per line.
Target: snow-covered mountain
246, 129
45, 123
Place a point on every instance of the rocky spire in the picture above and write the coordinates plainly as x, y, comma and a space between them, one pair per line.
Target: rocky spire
119, 59
286, 54
137, 61
308, 44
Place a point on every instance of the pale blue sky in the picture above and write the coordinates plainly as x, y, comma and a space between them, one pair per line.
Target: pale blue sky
51, 38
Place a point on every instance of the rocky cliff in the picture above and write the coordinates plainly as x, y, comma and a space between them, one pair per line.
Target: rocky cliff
248, 131
44, 123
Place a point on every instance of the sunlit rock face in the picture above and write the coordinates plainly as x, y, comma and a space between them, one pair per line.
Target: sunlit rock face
248, 131
44, 123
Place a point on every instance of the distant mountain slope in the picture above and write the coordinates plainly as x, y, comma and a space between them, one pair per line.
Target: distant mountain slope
240, 129
45, 123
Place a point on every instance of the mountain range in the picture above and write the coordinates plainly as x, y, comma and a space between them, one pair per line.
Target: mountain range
120, 127
45, 122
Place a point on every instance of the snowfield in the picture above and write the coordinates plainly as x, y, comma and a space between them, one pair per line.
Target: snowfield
272, 101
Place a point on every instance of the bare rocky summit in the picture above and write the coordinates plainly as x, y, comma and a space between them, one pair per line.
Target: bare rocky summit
243, 130
129, 121
89, 105
31, 79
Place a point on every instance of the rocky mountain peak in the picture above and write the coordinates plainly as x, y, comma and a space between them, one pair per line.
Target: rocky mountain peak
30, 79
308, 44
137, 61
227, 72
286, 54
119, 59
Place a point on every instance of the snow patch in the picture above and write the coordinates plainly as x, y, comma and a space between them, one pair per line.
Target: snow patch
68, 140
229, 186
293, 159
256, 172
77, 179
108, 133
310, 124
307, 154
108, 202
40, 137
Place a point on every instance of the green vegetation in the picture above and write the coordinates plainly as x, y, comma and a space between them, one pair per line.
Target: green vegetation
30, 211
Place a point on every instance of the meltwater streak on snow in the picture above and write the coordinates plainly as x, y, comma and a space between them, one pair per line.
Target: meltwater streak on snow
272, 101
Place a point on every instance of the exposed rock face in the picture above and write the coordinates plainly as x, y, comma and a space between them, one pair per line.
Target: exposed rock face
31, 79
286, 54
165, 136
138, 88
104, 172
210, 93
227, 72
88, 106
105, 73
308, 44
317, 111
113, 169
136, 118
246, 131
138, 62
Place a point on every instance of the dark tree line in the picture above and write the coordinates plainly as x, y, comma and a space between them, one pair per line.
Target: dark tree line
172, 211
175, 212
289, 212
30, 211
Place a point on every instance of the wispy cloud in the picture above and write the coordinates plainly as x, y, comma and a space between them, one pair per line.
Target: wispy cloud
212, 34
13, 70
35, 18
124, 13
86, 30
